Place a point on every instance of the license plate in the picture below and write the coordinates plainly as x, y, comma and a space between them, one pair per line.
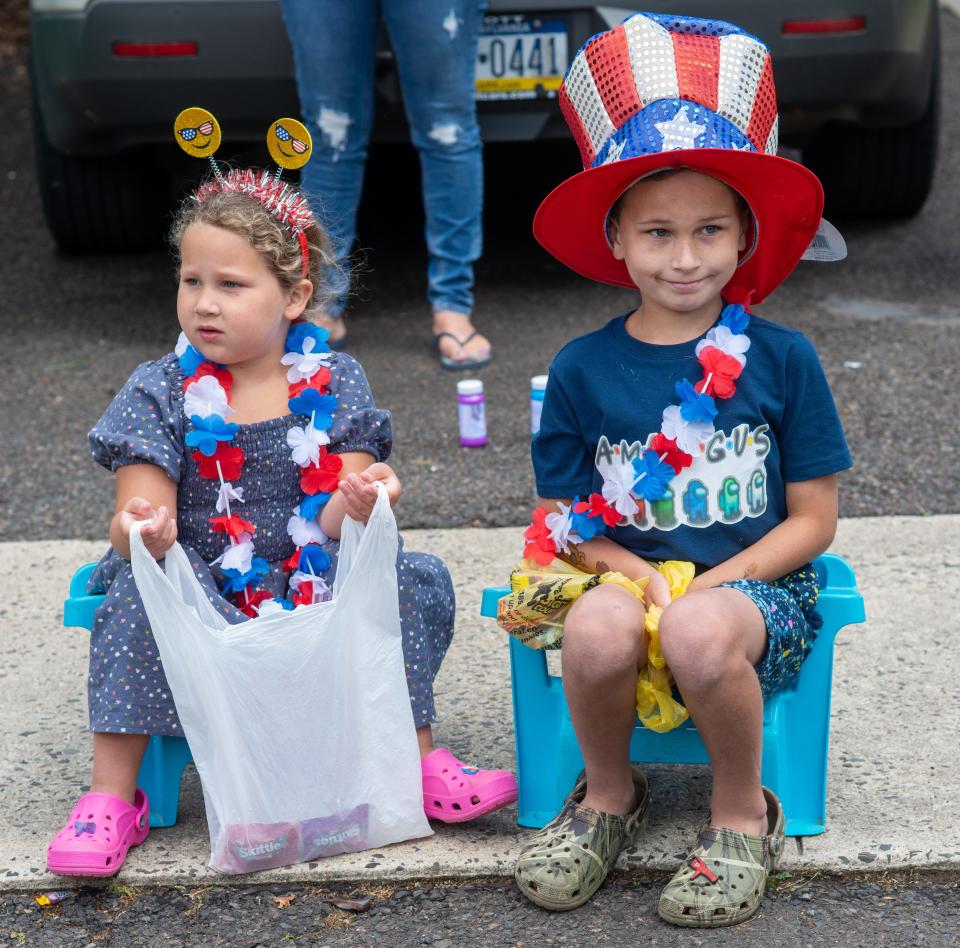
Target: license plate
520, 57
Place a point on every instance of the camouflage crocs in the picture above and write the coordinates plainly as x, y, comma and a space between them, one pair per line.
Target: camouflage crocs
566, 862
724, 877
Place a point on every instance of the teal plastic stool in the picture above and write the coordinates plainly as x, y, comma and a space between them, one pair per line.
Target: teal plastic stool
165, 757
796, 722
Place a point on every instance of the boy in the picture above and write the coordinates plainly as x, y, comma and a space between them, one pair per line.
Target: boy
700, 433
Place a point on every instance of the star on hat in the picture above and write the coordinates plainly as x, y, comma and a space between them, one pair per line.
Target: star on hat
679, 132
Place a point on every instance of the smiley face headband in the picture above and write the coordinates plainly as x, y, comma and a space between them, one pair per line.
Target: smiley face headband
197, 132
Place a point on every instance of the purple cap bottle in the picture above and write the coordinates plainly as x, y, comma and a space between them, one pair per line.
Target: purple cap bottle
471, 409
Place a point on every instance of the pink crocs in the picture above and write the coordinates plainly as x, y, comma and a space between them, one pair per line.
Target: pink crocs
98, 834
454, 792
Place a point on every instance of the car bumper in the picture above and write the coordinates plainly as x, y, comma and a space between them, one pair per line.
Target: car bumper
94, 102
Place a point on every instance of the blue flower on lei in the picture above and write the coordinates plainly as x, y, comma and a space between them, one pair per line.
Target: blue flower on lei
694, 406
237, 581
311, 402
286, 604
311, 505
300, 331
313, 558
735, 318
189, 360
208, 432
653, 476
585, 526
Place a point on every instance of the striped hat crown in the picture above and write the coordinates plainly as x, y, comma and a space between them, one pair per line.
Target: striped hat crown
659, 83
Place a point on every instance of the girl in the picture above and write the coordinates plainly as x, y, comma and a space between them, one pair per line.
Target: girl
685, 430
200, 442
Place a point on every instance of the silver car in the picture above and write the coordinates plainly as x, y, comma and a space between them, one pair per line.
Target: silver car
858, 93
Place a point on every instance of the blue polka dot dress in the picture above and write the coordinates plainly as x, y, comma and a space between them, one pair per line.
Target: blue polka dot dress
144, 424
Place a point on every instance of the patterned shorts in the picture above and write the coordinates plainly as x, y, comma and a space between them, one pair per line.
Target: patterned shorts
788, 606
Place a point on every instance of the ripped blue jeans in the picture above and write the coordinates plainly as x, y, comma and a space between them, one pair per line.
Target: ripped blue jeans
435, 45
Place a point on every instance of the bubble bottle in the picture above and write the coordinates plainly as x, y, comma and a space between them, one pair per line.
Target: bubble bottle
538, 386
471, 409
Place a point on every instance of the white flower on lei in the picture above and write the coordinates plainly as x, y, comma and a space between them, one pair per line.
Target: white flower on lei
305, 443
561, 528
239, 555
269, 608
206, 397
734, 344
689, 434
618, 480
226, 493
304, 531
182, 343
304, 364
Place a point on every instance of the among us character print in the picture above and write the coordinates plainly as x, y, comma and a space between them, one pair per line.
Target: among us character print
726, 482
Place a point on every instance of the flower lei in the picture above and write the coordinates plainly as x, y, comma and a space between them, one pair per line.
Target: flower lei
684, 432
207, 405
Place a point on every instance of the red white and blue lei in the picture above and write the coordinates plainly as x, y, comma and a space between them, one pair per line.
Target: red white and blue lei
207, 405
684, 432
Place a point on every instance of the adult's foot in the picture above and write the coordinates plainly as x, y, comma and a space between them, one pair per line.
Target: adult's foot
474, 347
334, 325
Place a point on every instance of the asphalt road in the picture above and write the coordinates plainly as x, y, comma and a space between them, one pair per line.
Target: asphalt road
796, 913
73, 328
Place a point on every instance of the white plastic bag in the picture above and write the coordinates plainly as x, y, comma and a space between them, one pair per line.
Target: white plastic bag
299, 722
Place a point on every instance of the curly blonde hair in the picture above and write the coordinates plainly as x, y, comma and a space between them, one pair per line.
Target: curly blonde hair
246, 217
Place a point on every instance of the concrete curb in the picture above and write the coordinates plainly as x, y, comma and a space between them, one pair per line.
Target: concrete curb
893, 801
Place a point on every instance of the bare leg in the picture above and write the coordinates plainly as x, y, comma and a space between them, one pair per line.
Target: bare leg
604, 644
711, 641
425, 740
461, 326
116, 763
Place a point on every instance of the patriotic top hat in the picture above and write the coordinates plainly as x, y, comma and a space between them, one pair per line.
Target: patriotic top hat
663, 92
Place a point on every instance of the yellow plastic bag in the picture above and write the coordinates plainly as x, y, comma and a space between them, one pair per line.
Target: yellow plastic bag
541, 596
656, 706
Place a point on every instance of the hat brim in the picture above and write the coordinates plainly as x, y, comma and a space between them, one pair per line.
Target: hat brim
786, 200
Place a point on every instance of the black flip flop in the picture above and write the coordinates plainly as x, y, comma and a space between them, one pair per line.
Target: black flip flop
459, 365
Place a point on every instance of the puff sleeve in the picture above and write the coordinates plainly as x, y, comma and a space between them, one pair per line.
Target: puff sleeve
358, 425
143, 424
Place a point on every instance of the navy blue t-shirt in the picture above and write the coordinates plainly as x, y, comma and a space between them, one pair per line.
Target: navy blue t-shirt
604, 403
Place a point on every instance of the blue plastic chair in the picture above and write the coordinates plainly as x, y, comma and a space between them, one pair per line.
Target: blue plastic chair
796, 722
165, 757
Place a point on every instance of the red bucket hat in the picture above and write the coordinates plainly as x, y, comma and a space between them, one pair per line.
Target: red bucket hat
663, 92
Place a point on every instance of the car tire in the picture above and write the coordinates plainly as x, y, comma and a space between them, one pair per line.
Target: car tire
98, 204
877, 172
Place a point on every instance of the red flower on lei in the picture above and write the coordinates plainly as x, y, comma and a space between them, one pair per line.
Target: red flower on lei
233, 525
321, 478
251, 607
722, 370
319, 380
222, 375
596, 506
230, 458
304, 594
540, 546
668, 449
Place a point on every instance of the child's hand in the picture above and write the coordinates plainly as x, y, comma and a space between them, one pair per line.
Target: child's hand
158, 536
360, 493
658, 591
